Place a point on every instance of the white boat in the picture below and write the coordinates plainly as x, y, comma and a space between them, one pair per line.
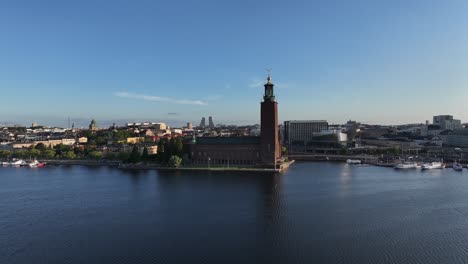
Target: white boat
433, 165
351, 161
406, 165
457, 166
6, 164
33, 164
18, 163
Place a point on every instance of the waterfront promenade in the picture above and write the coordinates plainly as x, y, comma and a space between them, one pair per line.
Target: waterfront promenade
149, 166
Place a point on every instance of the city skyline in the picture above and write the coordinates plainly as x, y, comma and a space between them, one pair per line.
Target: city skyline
377, 63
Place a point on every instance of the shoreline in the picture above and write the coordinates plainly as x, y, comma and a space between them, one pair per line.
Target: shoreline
143, 166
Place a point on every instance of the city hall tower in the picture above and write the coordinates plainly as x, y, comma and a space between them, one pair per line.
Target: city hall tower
269, 136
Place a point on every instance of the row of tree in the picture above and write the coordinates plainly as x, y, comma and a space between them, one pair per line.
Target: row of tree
58, 152
170, 152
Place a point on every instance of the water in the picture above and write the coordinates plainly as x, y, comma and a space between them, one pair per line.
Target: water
313, 213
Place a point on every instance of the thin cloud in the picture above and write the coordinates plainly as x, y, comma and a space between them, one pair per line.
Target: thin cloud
212, 97
158, 98
256, 83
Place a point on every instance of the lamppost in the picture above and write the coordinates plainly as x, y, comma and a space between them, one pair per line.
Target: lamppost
209, 159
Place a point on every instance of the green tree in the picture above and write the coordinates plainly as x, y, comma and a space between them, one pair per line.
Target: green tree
167, 151
48, 153
175, 161
4, 154
34, 153
135, 155
69, 155
122, 134
112, 156
78, 151
101, 141
145, 156
160, 154
179, 147
20, 154
61, 149
95, 155
124, 156
41, 146
89, 148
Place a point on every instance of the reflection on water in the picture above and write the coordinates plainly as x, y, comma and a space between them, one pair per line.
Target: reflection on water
313, 213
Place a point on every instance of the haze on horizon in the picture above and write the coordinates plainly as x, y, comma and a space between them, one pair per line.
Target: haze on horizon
381, 62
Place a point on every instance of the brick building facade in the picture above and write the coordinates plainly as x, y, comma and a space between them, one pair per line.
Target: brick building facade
262, 151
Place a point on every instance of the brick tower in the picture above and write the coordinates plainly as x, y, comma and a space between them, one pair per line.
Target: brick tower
269, 135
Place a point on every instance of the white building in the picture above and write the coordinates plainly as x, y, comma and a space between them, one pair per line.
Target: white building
446, 122
301, 131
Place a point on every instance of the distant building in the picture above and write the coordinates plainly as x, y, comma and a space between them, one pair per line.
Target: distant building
93, 125
176, 131
446, 122
135, 140
457, 138
82, 140
431, 130
189, 126
152, 150
211, 125
160, 126
300, 132
202, 123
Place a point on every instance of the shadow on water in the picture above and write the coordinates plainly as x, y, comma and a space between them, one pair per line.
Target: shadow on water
215, 198
135, 175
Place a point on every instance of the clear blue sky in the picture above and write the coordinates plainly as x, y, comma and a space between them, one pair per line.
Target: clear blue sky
373, 61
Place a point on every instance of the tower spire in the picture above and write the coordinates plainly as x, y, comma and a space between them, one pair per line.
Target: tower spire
269, 94
269, 75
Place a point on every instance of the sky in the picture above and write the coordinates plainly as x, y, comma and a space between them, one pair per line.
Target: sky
379, 62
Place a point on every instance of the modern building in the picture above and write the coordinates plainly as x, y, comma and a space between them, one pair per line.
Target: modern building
189, 126
431, 130
263, 151
457, 138
203, 123
301, 132
211, 124
446, 122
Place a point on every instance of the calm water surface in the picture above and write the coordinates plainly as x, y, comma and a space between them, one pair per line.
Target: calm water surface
313, 213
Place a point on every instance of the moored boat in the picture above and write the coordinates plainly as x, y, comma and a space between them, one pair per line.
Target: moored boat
457, 166
36, 164
353, 161
433, 165
18, 163
406, 165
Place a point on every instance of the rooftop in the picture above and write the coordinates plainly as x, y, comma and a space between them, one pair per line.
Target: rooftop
228, 140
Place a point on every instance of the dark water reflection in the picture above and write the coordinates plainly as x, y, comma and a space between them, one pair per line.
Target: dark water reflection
313, 213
